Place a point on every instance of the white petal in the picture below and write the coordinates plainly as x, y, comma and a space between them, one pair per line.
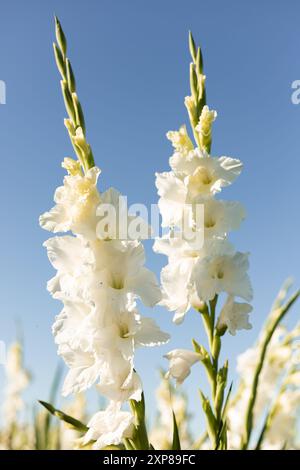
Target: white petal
150, 334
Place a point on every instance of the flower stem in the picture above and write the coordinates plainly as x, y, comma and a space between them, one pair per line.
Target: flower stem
217, 377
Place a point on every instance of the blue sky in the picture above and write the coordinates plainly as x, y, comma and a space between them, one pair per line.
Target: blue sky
131, 62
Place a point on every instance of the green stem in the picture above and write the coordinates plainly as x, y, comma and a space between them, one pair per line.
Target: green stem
217, 378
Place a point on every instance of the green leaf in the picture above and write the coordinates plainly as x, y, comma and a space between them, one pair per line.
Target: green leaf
210, 418
75, 423
140, 438
176, 439
223, 425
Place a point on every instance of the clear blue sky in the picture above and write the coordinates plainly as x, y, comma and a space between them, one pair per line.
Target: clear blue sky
131, 63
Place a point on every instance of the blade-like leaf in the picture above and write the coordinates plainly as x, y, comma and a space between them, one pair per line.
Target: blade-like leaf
75, 423
176, 439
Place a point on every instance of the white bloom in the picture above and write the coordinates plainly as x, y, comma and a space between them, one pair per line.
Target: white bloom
173, 201
235, 316
100, 275
129, 330
220, 217
207, 117
17, 380
85, 368
118, 381
76, 203
119, 265
181, 279
177, 289
194, 175
180, 140
73, 259
181, 361
279, 358
114, 221
222, 272
283, 426
109, 427
204, 174
72, 320
294, 378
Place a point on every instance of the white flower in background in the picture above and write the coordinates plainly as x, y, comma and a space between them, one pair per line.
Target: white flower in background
276, 393
69, 437
109, 427
17, 380
180, 363
169, 400
234, 316
283, 426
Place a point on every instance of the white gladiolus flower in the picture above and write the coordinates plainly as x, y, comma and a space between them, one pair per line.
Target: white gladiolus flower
85, 368
181, 361
115, 223
208, 116
180, 140
194, 275
76, 203
119, 382
234, 316
203, 174
275, 393
170, 400
193, 176
223, 273
119, 267
73, 259
202, 264
220, 217
17, 380
109, 427
100, 274
283, 427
